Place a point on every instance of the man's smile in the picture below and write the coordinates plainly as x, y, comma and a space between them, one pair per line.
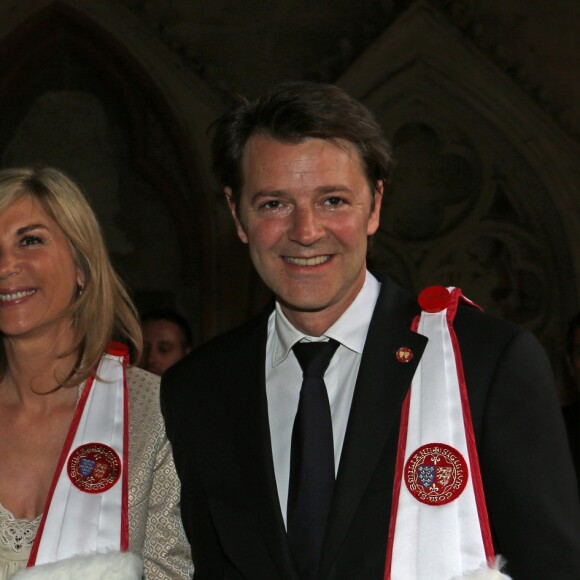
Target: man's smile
314, 261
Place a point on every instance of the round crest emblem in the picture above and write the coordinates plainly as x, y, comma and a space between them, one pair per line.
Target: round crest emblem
436, 474
94, 467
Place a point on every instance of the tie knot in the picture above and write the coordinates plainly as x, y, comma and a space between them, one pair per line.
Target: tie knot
314, 357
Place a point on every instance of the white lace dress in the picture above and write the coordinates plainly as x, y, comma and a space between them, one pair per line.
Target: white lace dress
16, 539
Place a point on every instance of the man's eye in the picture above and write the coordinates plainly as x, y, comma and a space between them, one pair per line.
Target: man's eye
334, 201
272, 204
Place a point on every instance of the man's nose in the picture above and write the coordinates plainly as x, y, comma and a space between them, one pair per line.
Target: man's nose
151, 356
306, 227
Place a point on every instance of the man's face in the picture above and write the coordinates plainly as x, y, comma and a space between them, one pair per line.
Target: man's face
163, 345
574, 360
305, 212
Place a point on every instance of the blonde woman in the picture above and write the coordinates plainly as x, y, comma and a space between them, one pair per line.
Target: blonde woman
87, 480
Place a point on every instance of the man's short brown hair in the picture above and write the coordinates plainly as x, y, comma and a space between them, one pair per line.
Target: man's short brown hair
292, 112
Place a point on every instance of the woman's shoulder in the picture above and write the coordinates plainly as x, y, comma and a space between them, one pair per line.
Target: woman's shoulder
141, 379
143, 388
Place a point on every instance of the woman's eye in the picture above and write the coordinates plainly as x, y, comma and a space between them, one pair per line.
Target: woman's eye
31, 240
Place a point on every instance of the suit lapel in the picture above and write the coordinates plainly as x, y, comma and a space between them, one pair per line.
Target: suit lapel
381, 386
257, 494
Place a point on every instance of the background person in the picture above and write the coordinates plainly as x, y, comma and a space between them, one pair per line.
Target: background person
61, 306
166, 338
304, 168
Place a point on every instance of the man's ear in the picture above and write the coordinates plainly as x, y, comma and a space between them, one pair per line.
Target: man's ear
374, 220
234, 211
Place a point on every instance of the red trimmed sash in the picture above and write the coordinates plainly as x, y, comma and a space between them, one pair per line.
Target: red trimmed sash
439, 526
86, 508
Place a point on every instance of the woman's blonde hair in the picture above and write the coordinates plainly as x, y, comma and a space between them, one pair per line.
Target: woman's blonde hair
103, 310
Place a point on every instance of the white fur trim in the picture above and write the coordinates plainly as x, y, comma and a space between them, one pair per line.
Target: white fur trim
109, 566
493, 572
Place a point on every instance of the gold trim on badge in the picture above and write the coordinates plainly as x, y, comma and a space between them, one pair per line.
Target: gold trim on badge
94, 467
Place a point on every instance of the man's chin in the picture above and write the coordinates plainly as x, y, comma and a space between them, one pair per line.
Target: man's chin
301, 307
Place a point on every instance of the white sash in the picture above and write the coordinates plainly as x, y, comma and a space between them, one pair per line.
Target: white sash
91, 516
439, 526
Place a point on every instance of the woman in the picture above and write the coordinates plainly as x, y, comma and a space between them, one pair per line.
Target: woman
85, 466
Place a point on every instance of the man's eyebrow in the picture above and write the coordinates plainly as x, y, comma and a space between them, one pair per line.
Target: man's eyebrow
267, 193
332, 188
338, 187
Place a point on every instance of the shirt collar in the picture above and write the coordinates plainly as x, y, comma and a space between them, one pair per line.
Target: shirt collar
350, 329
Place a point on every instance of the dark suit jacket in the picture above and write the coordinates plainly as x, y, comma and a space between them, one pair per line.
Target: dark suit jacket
571, 413
214, 402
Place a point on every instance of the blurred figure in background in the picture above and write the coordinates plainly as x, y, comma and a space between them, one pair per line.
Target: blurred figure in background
167, 338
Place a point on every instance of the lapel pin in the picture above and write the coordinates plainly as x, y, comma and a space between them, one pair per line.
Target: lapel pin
404, 354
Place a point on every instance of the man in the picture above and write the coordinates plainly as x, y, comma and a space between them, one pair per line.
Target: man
304, 169
167, 338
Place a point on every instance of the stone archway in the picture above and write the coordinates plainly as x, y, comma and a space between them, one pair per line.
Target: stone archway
76, 95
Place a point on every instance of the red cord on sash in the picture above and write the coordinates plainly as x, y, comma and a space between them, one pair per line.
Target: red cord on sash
470, 438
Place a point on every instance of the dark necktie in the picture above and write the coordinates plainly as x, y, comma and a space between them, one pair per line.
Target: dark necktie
311, 459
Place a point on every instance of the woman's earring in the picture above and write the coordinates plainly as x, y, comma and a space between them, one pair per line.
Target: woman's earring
81, 287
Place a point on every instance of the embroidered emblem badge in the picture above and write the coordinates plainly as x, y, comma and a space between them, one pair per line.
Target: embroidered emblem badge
94, 467
404, 354
436, 474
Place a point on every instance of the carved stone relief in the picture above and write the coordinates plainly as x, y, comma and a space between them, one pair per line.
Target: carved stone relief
474, 201
451, 221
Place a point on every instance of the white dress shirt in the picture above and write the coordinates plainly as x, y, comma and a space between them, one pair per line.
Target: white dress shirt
284, 376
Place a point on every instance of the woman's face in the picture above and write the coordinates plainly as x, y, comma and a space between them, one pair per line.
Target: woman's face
38, 274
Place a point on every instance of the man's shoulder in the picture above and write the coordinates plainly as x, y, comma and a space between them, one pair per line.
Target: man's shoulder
484, 325
236, 338
222, 354
470, 320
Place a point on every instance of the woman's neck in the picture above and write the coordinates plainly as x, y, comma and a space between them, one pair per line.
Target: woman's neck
34, 370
